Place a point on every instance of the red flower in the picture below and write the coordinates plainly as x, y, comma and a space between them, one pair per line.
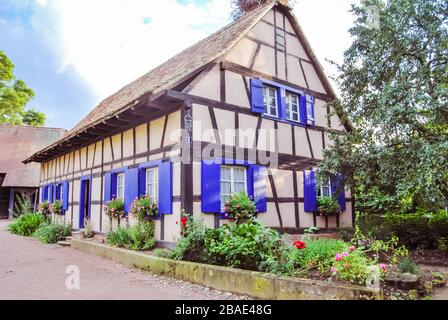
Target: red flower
183, 221
300, 245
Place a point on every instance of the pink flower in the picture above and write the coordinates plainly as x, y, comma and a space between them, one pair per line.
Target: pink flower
333, 270
338, 257
347, 266
383, 267
352, 248
345, 254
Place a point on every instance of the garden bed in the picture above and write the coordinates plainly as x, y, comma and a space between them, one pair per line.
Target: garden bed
255, 284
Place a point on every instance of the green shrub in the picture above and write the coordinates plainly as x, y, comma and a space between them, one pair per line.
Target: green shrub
27, 224
137, 238
247, 246
407, 265
353, 266
419, 230
52, 233
320, 253
191, 246
240, 206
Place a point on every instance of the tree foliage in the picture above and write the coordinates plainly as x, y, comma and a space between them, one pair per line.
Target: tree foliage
14, 95
394, 90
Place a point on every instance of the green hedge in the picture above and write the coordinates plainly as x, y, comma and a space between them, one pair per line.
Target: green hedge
27, 224
419, 230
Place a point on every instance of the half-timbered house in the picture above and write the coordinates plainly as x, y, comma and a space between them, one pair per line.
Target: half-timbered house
245, 109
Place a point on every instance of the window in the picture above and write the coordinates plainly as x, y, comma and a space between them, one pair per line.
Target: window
270, 101
59, 192
233, 180
324, 190
120, 186
152, 183
292, 107
310, 110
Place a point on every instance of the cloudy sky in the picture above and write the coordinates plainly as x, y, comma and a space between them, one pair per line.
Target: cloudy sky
75, 53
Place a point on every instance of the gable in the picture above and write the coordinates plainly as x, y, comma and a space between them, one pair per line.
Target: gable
273, 47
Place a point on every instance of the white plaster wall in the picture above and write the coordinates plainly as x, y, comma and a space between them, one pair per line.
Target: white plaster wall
235, 90
302, 146
312, 77
209, 84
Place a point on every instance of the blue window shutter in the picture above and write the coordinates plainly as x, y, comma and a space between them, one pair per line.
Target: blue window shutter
310, 191
113, 186
65, 191
210, 187
338, 190
258, 184
256, 96
130, 188
142, 182
107, 187
50, 193
310, 99
281, 96
42, 194
302, 109
166, 188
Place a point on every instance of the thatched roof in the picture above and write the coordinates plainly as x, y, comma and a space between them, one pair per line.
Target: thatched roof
18, 143
178, 69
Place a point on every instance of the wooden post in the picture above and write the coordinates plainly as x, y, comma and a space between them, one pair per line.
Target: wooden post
11, 204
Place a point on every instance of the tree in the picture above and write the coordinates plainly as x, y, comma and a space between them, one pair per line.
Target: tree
14, 95
394, 88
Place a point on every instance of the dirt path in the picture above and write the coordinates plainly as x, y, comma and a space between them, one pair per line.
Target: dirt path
32, 270
438, 293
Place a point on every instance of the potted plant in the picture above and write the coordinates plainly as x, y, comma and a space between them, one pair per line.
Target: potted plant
114, 209
240, 207
328, 206
144, 209
56, 207
44, 209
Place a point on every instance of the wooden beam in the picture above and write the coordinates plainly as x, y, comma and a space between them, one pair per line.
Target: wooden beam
252, 73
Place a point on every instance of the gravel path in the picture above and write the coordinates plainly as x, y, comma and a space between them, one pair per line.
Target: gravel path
32, 270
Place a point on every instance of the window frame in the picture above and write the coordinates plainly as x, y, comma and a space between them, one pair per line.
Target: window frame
232, 182
155, 183
117, 176
321, 188
289, 107
268, 107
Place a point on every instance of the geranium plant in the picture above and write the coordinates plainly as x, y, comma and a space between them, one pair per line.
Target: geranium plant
144, 208
115, 208
327, 206
44, 208
239, 206
56, 207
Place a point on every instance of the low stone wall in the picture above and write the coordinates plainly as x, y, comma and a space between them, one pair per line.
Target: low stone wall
255, 284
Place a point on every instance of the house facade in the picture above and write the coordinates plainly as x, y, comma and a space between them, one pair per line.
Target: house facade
245, 109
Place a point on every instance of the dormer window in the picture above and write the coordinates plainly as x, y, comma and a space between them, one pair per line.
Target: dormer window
270, 101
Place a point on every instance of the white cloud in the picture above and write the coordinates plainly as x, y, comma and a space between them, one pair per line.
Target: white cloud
112, 42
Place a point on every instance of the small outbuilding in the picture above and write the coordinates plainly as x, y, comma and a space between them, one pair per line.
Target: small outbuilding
16, 178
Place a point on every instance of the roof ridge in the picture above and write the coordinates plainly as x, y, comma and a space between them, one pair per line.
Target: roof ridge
30, 127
